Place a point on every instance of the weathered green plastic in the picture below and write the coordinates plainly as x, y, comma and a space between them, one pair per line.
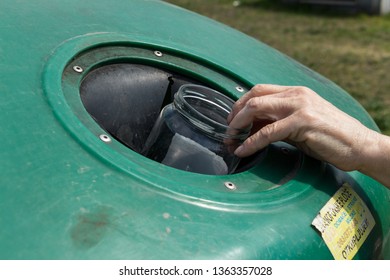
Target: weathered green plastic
66, 194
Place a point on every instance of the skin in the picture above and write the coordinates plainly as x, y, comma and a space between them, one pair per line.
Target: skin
301, 117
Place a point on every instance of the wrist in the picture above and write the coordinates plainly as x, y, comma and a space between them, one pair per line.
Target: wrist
374, 159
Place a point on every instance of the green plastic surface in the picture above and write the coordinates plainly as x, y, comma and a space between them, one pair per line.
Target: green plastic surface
66, 194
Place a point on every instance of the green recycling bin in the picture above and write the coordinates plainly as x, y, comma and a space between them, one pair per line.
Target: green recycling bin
81, 85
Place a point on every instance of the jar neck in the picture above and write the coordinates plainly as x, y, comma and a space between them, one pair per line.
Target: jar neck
207, 110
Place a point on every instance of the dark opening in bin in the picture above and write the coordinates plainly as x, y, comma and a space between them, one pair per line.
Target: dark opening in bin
126, 99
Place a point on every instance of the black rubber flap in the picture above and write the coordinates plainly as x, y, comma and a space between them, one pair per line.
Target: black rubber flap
125, 99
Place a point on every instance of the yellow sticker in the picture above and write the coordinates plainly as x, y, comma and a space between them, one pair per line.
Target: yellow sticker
344, 223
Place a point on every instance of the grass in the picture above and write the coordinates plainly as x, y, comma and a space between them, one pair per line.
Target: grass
351, 49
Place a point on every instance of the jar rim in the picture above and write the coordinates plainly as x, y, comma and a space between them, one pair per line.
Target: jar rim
204, 97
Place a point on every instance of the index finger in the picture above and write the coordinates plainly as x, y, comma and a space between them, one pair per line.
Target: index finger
257, 90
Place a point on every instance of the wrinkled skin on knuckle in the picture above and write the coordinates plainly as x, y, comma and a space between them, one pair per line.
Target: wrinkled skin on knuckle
258, 88
261, 138
308, 117
302, 96
303, 91
267, 131
254, 104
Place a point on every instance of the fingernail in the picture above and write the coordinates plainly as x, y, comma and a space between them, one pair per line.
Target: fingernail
229, 118
239, 150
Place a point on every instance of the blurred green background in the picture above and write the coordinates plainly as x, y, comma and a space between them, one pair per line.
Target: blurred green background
352, 49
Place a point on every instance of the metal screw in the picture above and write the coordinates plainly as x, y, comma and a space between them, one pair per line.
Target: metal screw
230, 185
78, 69
105, 138
240, 89
158, 53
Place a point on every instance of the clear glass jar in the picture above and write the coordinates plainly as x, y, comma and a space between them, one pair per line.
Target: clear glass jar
192, 133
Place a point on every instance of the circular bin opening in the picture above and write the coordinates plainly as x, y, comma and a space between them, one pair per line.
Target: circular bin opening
126, 99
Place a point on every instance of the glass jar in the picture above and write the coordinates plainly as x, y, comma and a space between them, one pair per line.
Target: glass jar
192, 133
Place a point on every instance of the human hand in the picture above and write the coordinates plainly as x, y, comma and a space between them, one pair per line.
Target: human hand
301, 117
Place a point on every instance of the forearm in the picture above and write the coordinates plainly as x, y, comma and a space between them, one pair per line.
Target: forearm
375, 159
